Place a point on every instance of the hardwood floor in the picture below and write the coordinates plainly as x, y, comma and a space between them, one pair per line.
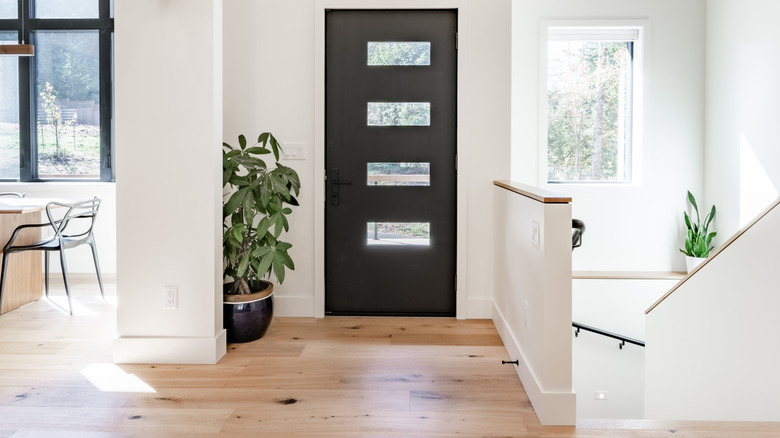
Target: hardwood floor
340, 377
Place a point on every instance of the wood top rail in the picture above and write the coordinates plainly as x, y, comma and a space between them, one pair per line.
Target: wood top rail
716, 252
627, 275
535, 193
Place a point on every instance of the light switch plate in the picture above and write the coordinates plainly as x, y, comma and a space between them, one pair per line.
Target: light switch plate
535, 233
294, 151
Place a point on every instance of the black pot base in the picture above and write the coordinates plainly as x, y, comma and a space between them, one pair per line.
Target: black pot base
247, 322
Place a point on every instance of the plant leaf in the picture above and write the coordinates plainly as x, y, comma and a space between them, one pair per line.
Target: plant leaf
258, 150
264, 267
262, 251
242, 267
278, 267
275, 146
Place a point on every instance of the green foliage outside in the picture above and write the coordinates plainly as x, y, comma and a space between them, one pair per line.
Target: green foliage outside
588, 97
67, 76
399, 53
398, 168
399, 113
54, 117
400, 230
79, 155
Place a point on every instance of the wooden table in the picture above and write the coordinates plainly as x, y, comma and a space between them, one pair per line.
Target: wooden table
24, 279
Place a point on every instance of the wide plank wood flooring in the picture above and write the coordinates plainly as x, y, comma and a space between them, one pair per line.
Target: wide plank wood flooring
332, 377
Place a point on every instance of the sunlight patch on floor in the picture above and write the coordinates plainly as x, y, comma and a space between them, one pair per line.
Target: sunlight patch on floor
108, 377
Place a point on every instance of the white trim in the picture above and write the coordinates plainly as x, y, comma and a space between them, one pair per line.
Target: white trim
320, 6
592, 33
552, 408
175, 350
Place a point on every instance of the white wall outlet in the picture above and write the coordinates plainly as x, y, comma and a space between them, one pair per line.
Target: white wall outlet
535, 233
600, 395
171, 297
294, 151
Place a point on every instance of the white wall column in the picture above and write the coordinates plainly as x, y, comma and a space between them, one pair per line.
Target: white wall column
168, 135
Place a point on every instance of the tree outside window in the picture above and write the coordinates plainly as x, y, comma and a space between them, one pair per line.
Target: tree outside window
589, 97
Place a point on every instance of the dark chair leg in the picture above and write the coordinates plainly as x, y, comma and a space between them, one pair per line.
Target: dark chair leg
97, 268
2, 278
65, 279
46, 272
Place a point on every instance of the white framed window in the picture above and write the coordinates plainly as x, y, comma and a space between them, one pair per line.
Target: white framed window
593, 98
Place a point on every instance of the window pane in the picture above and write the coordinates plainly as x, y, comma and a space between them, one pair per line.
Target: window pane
398, 174
8, 9
66, 9
399, 113
399, 233
68, 104
589, 111
9, 111
399, 53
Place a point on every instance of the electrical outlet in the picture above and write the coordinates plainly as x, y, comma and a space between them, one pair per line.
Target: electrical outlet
535, 233
171, 297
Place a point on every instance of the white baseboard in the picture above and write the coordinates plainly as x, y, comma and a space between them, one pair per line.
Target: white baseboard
294, 305
160, 350
552, 408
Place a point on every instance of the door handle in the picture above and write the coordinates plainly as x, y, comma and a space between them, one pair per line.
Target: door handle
335, 182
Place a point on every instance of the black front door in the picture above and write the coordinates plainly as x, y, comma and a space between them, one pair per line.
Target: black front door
391, 116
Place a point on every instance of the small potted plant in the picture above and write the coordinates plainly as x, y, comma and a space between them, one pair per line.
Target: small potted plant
255, 208
698, 239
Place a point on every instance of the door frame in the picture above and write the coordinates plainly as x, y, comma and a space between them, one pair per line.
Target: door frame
319, 145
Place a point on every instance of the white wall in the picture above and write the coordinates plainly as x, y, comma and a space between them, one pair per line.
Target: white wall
742, 154
532, 301
168, 136
712, 344
269, 87
617, 306
637, 226
274, 82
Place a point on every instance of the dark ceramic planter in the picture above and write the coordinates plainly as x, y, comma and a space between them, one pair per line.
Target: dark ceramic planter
247, 317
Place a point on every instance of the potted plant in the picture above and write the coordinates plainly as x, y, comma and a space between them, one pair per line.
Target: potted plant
254, 211
698, 239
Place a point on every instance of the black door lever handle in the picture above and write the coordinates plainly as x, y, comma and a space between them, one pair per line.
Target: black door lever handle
334, 186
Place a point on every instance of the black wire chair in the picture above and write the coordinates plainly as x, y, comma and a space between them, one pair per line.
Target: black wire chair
12, 194
79, 216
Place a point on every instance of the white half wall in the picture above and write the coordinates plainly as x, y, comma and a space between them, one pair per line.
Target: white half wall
712, 344
742, 155
274, 81
635, 226
168, 136
532, 300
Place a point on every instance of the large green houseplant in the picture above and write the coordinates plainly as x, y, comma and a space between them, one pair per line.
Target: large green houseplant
698, 238
256, 204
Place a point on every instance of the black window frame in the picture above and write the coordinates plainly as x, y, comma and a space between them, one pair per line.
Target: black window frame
28, 141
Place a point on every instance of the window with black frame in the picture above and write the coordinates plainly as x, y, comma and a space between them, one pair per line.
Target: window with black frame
56, 106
